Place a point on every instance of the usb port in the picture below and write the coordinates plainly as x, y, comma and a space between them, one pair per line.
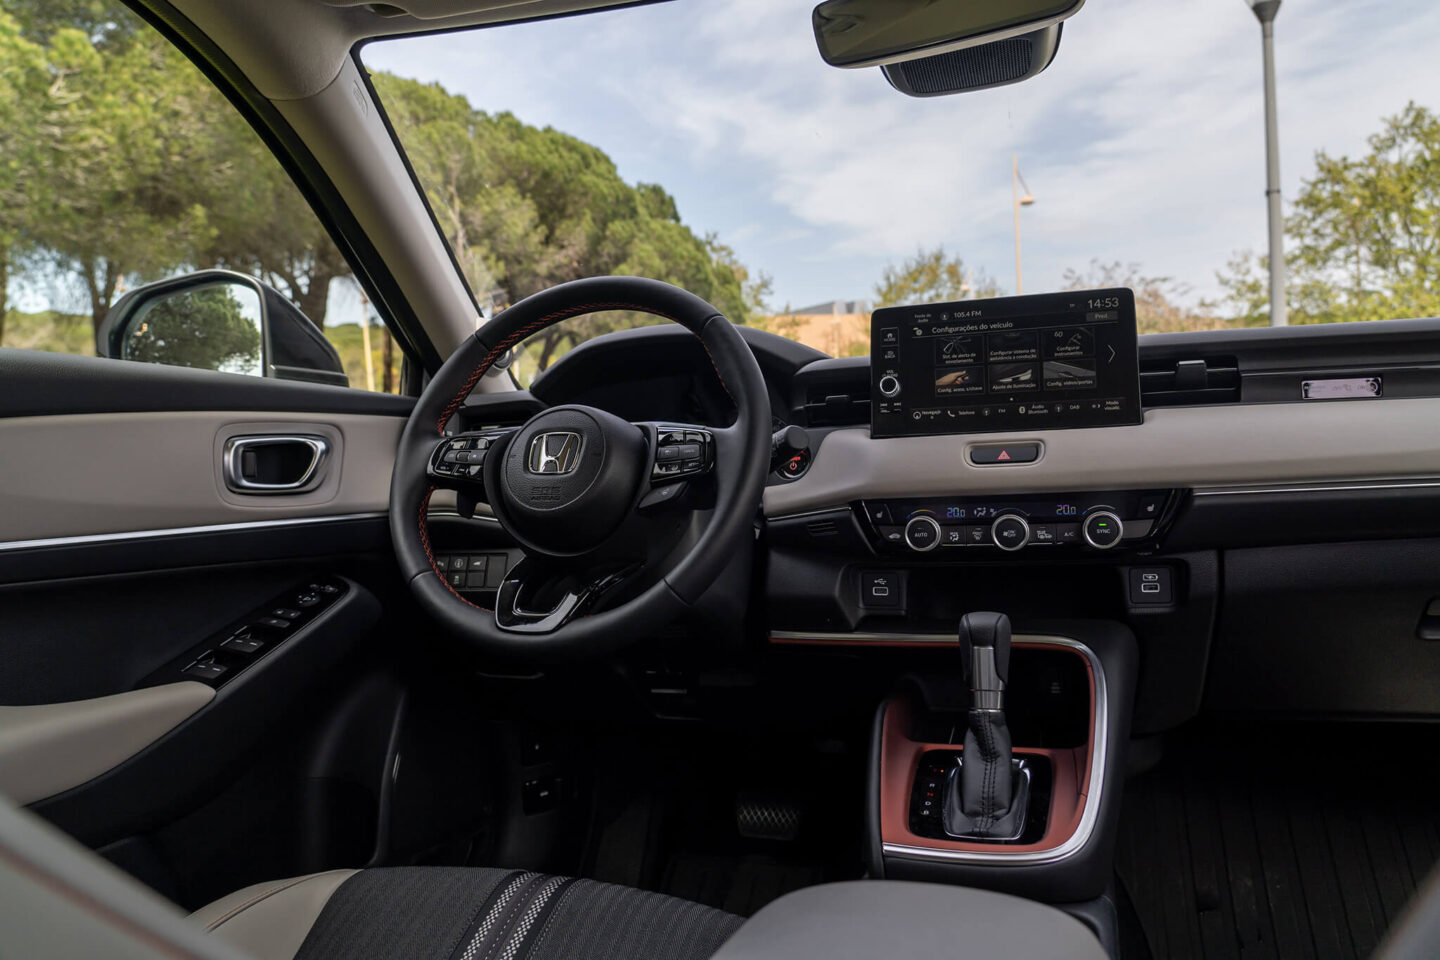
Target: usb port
1149, 588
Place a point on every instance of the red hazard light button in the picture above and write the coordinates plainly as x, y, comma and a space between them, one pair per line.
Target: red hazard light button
1005, 453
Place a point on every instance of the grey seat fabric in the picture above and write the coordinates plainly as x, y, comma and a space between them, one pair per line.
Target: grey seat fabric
872, 919
453, 913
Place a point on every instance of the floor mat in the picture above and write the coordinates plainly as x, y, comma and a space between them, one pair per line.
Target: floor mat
1251, 844
669, 818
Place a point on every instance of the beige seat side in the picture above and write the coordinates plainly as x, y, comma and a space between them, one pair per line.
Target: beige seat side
269, 921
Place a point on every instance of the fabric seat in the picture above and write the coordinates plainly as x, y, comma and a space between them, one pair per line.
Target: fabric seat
453, 913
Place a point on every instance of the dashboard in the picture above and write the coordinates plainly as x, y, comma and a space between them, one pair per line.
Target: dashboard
1255, 503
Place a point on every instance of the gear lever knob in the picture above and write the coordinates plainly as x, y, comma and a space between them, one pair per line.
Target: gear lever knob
985, 658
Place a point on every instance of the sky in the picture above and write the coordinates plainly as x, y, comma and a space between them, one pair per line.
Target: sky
1142, 143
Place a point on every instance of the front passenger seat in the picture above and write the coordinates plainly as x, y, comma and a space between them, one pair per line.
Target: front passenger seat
450, 913
58, 899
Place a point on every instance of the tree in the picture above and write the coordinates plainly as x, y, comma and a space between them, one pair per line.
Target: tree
929, 277
203, 328
525, 208
123, 163
24, 79
1159, 301
1363, 235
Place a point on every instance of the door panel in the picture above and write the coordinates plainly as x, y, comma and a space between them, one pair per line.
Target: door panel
125, 559
87, 474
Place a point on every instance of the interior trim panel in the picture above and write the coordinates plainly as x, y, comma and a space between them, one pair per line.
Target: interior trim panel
49, 748
82, 475
1179, 447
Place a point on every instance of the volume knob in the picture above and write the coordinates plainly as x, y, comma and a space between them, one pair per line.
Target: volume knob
889, 385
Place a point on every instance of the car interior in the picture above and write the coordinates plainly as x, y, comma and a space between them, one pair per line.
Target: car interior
1014, 635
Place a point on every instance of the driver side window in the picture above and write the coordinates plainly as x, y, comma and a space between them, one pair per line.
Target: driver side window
141, 218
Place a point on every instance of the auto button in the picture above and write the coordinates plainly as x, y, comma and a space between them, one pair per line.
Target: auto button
922, 533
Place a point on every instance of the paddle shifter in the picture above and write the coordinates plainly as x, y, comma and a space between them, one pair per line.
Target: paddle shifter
987, 796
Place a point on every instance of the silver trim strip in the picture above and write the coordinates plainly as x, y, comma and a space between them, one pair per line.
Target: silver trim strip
11, 545
1089, 815
1335, 487
868, 637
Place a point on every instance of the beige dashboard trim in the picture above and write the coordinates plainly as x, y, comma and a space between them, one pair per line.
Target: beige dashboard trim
91, 474
1283, 443
48, 748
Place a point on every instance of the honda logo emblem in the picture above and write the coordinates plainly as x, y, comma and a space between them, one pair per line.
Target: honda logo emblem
554, 453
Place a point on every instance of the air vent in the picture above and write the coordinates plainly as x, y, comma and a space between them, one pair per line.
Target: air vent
822, 528
1191, 382
836, 409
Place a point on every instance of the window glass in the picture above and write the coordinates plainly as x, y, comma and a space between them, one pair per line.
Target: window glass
121, 165
710, 145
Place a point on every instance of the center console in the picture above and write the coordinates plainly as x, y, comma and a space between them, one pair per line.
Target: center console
1049, 833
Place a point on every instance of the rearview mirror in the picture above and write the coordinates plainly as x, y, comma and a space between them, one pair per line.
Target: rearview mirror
219, 320
869, 33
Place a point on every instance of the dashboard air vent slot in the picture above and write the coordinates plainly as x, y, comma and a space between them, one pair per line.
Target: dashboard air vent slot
828, 409
1195, 381
822, 528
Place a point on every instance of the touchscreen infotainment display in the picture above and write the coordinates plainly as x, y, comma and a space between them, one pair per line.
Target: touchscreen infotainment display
1040, 362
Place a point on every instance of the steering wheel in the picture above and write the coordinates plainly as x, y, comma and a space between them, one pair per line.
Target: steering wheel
623, 524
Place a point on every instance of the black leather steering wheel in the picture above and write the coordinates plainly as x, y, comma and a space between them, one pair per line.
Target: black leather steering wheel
623, 524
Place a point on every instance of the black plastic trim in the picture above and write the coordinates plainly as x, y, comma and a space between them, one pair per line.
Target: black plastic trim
199, 757
39, 384
346, 536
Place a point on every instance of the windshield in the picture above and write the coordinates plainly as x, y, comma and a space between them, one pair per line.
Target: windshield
709, 145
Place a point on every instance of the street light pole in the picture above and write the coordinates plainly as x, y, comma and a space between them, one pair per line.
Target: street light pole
1018, 201
1265, 11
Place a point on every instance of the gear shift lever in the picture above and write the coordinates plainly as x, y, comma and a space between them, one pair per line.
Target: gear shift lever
986, 798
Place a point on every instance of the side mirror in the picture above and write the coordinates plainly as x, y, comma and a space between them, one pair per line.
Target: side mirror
219, 320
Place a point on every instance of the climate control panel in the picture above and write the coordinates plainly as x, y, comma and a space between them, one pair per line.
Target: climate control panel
1095, 521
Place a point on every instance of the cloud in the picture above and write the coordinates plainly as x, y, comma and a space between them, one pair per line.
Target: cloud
1143, 142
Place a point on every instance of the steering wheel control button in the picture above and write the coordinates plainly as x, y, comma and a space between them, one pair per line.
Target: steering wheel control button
1005, 453
881, 588
681, 453
922, 534
660, 496
889, 385
1010, 531
1102, 529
